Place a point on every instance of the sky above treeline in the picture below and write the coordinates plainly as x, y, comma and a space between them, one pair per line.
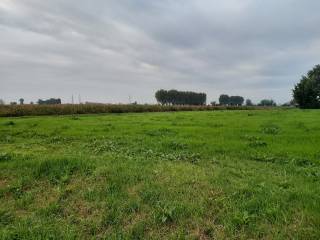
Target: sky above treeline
114, 51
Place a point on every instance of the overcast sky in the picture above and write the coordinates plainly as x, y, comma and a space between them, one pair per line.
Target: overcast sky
108, 50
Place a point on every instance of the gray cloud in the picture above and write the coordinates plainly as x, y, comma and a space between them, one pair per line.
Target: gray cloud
108, 50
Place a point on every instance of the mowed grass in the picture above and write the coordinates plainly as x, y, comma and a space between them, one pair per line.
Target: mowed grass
180, 175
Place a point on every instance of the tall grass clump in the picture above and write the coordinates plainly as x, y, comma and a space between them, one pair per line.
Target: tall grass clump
59, 170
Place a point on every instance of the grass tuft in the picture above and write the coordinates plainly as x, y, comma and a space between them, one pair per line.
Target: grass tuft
9, 123
60, 170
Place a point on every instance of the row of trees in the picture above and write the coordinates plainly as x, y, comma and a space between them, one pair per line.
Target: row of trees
267, 103
306, 94
174, 97
224, 99
50, 101
21, 101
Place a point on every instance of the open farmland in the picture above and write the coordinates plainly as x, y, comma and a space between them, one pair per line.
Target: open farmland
173, 175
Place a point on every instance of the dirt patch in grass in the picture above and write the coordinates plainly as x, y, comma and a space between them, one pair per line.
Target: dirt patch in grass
46, 195
3, 183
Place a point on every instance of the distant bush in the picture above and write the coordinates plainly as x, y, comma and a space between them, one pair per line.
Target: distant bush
69, 109
249, 102
51, 101
267, 103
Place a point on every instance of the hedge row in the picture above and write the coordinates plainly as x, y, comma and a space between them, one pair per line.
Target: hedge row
69, 109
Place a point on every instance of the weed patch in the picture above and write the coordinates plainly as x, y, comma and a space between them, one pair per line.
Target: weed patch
302, 162
5, 157
255, 142
270, 129
60, 170
56, 140
9, 123
165, 213
268, 158
162, 132
6, 218
176, 146
99, 146
138, 231
53, 210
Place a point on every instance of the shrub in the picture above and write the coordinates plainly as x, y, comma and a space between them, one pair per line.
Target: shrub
9, 123
5, 157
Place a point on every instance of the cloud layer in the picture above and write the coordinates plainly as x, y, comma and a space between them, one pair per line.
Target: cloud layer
110, 50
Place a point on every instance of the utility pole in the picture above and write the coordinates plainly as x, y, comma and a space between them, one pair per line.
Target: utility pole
72, 101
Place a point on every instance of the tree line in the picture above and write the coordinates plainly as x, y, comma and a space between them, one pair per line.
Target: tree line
306, 93
227, 100
174, 97
50, 101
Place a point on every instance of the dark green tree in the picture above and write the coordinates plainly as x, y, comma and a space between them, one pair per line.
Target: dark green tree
249, 102
21, 101
267, 103
236, 100
224, 99
50, 101
307, 92
175, 97
161, 96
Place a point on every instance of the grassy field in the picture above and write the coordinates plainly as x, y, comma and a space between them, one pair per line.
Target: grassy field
179, 175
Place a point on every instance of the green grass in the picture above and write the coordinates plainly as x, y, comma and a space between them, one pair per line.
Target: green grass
179, 175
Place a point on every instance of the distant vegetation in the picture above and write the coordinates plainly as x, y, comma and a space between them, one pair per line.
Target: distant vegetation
267, 103
49, 101
249, 102
174, 97
232, 100
68, 109
307, 92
